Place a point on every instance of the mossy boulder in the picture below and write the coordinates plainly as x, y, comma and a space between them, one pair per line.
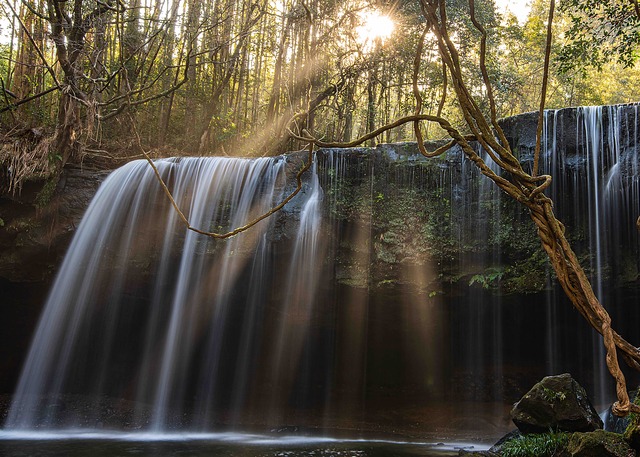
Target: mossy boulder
590, 444
598, 444
556, 419
632, 434
632, 423
556, 403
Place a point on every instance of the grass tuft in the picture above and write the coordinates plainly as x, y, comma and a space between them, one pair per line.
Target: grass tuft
535, 445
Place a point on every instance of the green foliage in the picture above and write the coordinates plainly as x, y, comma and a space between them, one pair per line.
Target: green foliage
488, 278
46, 193
527, 275
631, 431
586, 70
599, 32
535, 445
1, 222
551, 396
4, 63
149, 53
55, 159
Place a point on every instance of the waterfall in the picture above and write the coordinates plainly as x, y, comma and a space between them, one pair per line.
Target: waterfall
592, 153
152, 326
392, 289
165, 342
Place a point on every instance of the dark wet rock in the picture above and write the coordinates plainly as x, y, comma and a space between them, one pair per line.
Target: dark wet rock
615, 424
34, 235
520, 132
496, 448
598, 444
286, 429
556, 403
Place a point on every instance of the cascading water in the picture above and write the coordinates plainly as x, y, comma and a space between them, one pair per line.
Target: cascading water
594, 160
392, 290
141, 306
298, 307
152, 326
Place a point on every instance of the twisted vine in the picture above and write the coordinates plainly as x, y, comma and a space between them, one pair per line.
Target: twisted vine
528, 189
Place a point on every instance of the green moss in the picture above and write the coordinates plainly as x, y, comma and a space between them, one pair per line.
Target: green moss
632, 432
552, 396
46, 193
535, 445
414, 215
598, 444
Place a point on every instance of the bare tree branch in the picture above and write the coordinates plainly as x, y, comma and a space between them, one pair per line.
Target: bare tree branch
14, 105
34, 11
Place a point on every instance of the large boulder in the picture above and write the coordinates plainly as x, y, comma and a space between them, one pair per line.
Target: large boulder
556, 403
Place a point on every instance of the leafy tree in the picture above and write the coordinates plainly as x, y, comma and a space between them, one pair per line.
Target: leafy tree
599, 32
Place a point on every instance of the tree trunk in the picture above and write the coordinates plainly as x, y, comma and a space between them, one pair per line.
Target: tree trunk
166, 107
132, 41
207, 140
191, 107
273, 108
371, 106
68, 130
24, 77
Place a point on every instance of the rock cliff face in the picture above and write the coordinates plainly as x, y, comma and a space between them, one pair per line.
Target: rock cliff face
33, 239
403, 228
409, 206
392, 181
430, 223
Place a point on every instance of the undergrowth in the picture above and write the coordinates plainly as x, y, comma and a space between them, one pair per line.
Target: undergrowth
535, 445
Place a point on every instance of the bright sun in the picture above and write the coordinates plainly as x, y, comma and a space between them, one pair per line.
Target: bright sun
375, 26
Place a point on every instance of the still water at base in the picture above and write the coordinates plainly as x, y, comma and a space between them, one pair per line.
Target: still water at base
221, 444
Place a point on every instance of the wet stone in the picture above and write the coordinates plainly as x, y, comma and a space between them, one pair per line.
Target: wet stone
556, 403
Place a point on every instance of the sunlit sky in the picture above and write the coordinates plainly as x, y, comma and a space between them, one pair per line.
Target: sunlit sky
518, 7
375, 26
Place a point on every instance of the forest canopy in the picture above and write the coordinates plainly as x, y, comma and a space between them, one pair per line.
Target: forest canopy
230, 76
